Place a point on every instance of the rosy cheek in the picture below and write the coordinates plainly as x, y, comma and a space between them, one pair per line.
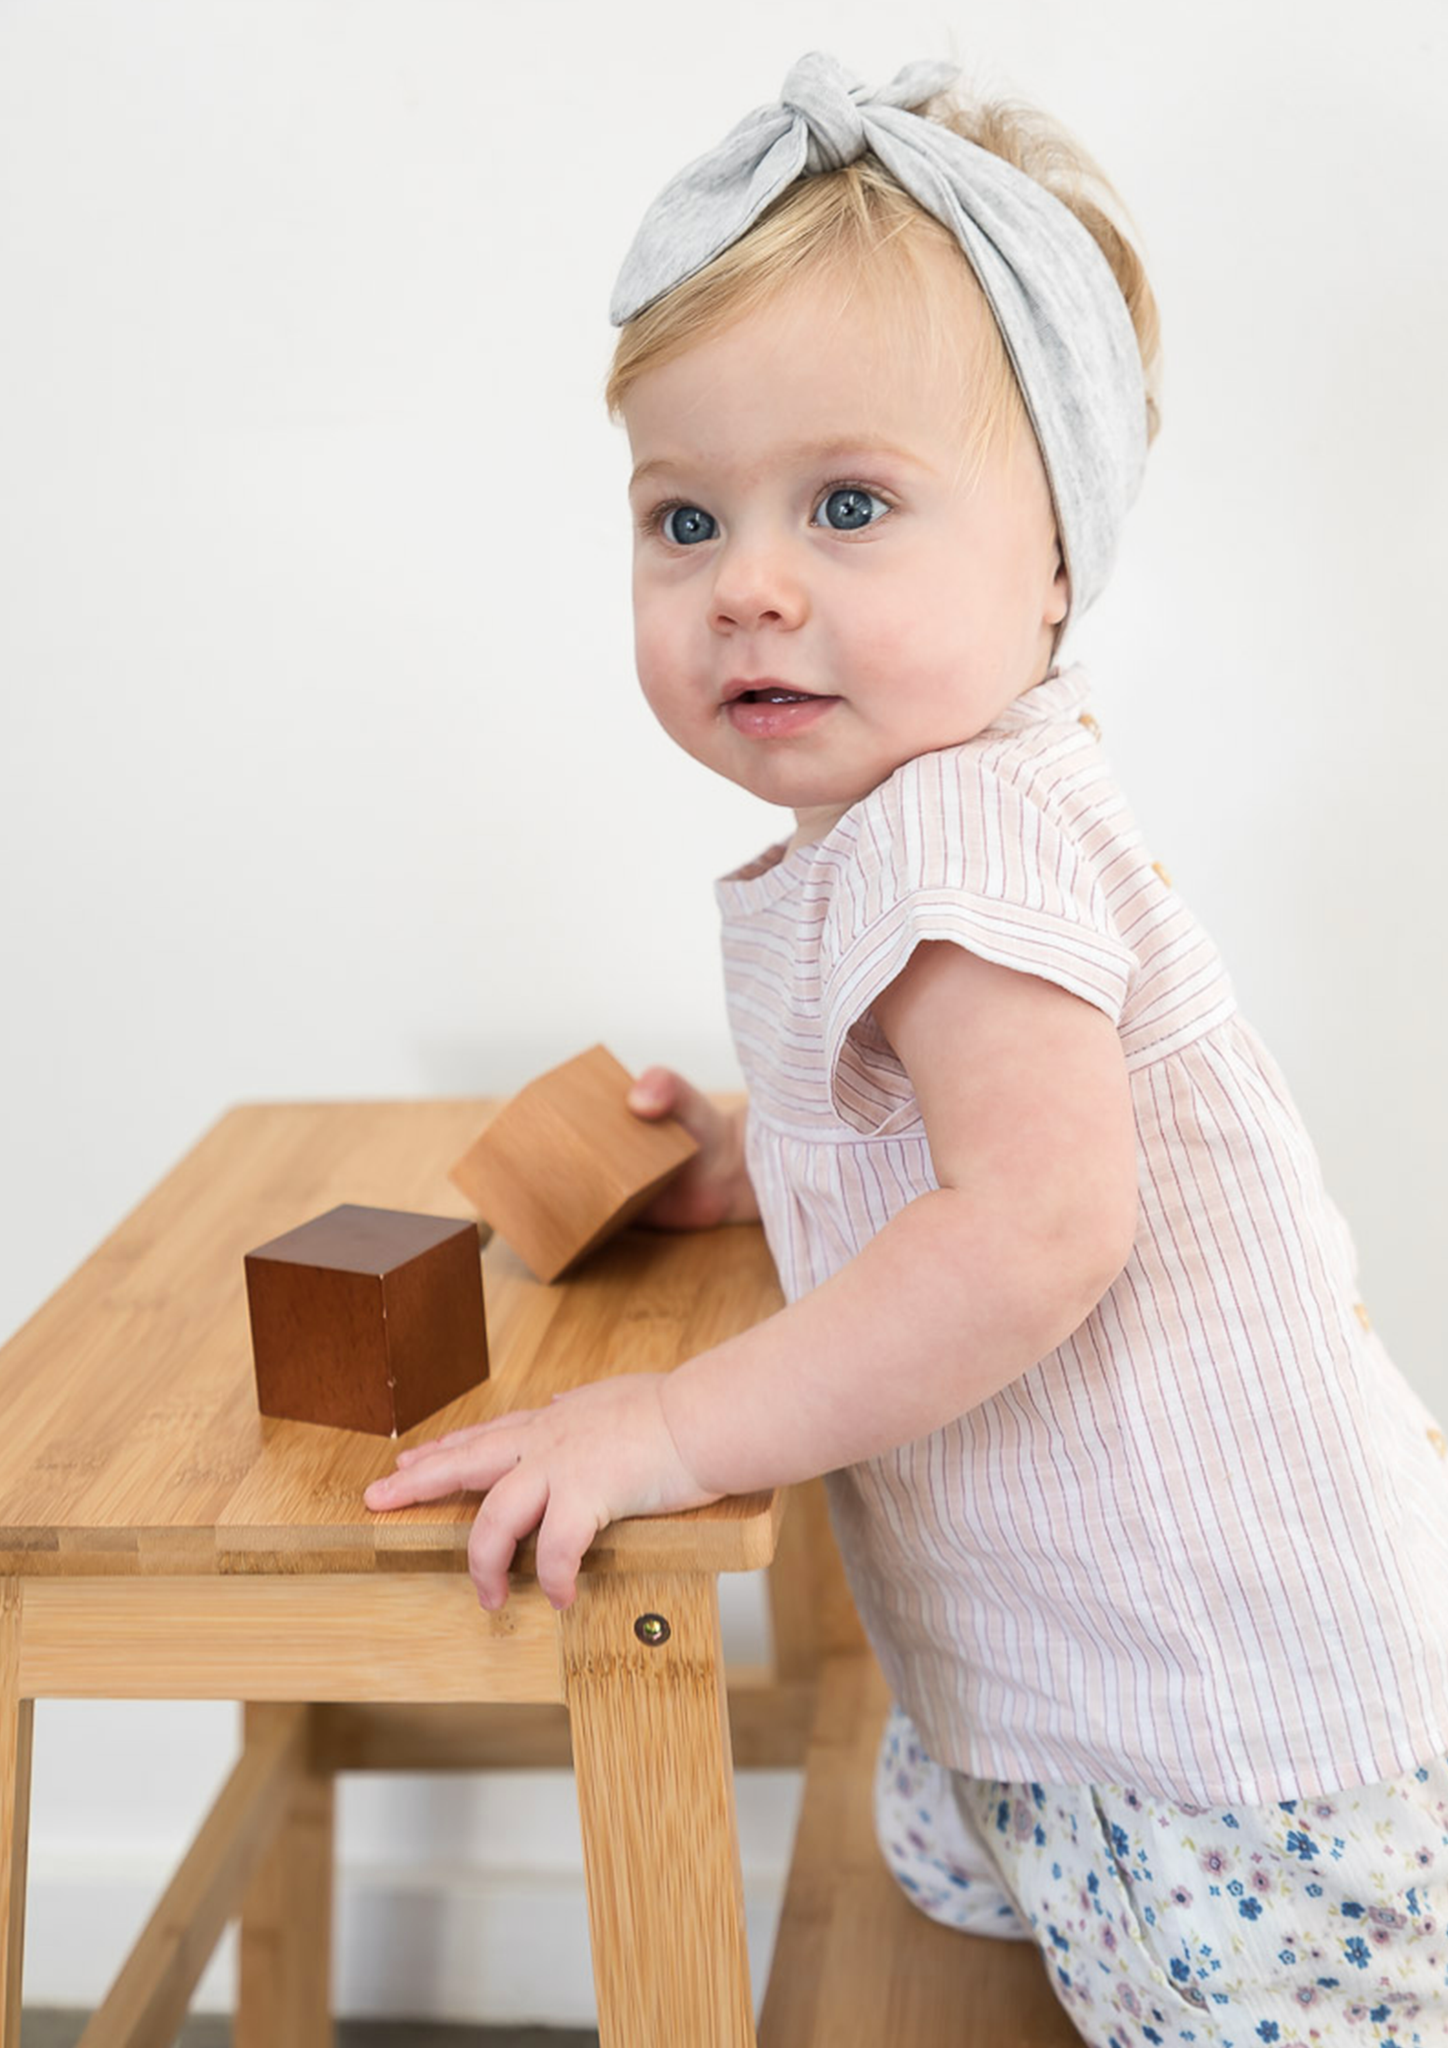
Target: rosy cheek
876, 637
651, 649
660, 676
648, 631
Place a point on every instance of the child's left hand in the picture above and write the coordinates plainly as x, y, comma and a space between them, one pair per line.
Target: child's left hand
592, 1456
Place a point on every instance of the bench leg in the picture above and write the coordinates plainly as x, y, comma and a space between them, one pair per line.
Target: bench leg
656, 1801
16, 1723
285, 1991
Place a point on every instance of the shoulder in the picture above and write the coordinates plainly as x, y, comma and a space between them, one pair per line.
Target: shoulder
1015, 845
999, 806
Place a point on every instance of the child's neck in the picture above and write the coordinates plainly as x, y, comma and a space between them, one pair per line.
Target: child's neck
811, 826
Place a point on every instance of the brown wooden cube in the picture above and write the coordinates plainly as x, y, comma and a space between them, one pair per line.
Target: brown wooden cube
566, 1163
367, 1318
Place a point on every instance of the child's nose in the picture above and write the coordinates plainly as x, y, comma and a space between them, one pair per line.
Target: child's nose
756, 586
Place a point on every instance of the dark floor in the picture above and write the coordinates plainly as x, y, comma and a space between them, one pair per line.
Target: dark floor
43, 2027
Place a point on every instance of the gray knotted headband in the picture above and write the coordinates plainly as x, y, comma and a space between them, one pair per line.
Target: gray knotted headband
1058, 307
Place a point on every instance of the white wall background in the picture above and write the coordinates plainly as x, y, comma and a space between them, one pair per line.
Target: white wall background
321, 767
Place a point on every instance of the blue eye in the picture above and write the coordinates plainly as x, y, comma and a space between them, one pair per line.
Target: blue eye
686, 524
848, 507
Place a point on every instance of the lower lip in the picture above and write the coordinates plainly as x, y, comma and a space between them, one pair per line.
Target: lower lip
777, 721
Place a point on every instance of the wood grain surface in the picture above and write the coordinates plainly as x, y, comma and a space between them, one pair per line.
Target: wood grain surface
565, 1163
283, 1637
285, 1965
133, 1444
656, 1810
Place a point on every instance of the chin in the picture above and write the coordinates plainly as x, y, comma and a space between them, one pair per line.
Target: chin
802, 794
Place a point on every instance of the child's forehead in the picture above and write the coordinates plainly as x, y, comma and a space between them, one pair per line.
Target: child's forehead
832, 341
920, 291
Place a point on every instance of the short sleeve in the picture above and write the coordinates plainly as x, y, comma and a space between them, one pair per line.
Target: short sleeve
950, 848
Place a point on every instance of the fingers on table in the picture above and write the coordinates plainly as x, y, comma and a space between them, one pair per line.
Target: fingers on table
521, 1502
416, 1452
458, 1468
513, 1507
517, 1500
569, 1525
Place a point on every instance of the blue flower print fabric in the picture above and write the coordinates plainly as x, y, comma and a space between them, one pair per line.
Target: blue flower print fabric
1313, 1923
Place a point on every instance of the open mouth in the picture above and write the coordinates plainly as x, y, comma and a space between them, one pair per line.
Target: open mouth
768, 691
772, 711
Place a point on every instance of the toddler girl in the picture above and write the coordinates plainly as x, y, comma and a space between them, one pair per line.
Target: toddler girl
1148, 1533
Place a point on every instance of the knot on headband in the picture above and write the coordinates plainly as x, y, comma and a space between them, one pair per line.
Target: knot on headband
1053, 295
827, 106
819, 90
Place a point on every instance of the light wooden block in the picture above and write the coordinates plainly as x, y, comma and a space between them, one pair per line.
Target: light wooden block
566, 1163
367, 1319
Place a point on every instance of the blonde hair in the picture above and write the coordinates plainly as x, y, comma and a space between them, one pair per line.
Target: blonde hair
858, 225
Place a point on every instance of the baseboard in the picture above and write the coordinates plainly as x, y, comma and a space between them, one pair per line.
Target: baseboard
433, 1942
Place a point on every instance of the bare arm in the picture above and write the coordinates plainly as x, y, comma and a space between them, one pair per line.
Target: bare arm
1023, 1092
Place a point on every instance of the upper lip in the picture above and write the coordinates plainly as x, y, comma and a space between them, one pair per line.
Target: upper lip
742, 685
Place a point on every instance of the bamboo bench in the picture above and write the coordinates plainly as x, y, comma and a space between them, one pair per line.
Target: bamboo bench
159, 1539
855, 1965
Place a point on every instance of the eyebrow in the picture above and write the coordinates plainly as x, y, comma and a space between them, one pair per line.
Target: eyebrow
832, 450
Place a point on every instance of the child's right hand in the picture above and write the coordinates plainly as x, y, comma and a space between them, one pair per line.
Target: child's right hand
714, 1187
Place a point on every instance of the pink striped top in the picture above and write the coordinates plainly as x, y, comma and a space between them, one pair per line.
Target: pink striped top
1202, 1548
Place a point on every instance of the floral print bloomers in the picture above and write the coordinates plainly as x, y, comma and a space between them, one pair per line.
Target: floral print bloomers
1314, 1923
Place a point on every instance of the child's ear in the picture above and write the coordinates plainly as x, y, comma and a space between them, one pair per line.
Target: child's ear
1058, 598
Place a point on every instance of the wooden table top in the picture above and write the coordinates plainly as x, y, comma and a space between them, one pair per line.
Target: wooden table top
132, 1441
